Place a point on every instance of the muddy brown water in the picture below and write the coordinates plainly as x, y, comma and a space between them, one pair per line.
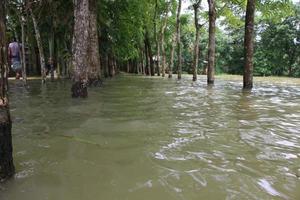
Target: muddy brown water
140, 138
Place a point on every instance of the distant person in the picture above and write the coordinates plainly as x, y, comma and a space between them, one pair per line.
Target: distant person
14, 54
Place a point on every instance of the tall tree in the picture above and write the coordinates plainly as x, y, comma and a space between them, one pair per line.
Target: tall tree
24, 73
211, 42
196, 7
7, 168
162, 39
80, 46
156, 38
40, 46
249, 45
179, 46
94, 68
171, 65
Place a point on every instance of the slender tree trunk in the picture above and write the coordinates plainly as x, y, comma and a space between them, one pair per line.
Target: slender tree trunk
150, 55
162, 42
40, 47
179, 49
80, 48
171, 66
7, 168
196, 45
24, 74
248, 45
147, 70
94, 68
142, 62
211, 42
127, 66
51, 53
156, 39
114, 65
58, 60
106, 71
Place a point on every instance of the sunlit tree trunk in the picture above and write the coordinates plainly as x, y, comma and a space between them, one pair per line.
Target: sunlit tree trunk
51, 53
80, 60
7, 168
248, 45
40, 46
196, 45
162, 42
24, 75
171, 65
211, 43
179, 46
94, 68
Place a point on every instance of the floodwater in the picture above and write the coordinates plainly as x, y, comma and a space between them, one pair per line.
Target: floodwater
140, 138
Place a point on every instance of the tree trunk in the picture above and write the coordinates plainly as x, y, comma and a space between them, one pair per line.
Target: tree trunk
40, 47
24, 73
150, 55
58, 60
142, 62
179, 49
211, 43
114, 65
80, 48
94, 68
162, 42
248, 45
127, 66
156, 39
106, 71
147, 70
7, 168
171, 66
196, 45
51, 53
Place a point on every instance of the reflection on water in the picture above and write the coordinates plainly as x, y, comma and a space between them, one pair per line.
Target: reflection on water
152, 138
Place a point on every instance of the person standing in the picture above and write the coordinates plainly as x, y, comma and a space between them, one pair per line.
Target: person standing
14, 54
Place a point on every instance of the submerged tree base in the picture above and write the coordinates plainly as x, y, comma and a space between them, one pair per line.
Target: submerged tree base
79, 90
97, 82
210, 82
7, 168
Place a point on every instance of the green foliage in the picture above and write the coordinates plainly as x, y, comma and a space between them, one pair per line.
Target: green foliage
122, 25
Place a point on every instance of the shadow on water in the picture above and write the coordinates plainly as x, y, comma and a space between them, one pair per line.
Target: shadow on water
153, 138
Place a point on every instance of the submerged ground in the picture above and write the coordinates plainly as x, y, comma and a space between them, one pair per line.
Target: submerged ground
152, 138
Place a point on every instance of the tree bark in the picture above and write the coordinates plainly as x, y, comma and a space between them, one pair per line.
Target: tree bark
147, 69
171, 66
162, 42
249, 45
196, 45
40, 46
94, 66
211, 43
7, 168
179, 48
51, 53
150, 55
156, 39
80, 45
24, 73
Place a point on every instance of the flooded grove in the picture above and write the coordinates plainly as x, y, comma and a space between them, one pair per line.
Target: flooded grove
142, 138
